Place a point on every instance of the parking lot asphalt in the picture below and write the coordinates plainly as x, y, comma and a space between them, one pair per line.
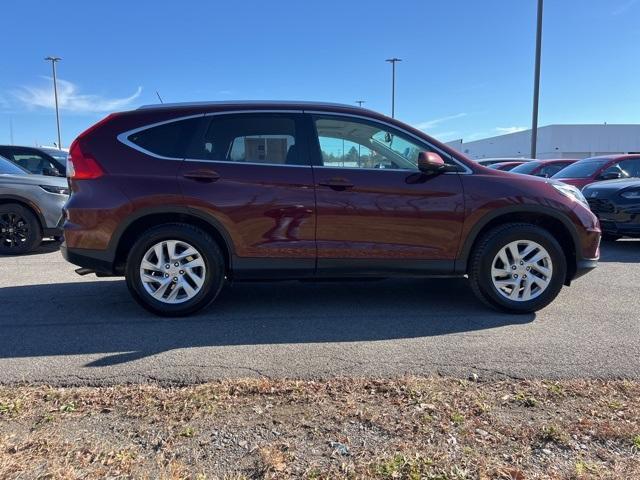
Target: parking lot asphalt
62, 329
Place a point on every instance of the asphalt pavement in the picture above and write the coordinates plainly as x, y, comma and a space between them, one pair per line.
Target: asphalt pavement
62, 329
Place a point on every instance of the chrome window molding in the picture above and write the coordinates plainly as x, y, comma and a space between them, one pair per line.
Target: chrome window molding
124, 138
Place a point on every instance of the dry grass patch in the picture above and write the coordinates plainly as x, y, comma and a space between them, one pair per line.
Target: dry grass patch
413, 428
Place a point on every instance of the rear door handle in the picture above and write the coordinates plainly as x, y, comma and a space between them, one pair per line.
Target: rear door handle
337, 183
204, 175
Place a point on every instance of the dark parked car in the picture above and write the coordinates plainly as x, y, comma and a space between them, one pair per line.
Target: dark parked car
30, 208
595, 169
543, 168
34, 160
617, 205
181, 198
506, 166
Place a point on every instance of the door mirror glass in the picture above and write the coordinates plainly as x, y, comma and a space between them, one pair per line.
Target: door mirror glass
430, 162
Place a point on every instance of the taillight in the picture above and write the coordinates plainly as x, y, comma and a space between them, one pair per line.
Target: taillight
82, 166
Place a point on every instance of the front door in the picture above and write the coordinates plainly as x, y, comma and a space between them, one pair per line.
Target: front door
250, 172
376, 212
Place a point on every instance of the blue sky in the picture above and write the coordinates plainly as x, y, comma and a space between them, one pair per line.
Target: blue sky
467, 69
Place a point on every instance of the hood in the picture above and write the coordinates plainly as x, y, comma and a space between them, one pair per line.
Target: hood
32, 179
613, 185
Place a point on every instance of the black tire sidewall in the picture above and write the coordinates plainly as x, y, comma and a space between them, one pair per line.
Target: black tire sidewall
214, 264
497, 242
35, 232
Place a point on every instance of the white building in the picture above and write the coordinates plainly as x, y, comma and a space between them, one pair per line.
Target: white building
557, 141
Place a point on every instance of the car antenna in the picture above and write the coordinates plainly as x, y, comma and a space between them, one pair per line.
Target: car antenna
159, 97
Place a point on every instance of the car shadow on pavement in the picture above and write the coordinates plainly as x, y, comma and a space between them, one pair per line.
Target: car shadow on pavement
99, 317
623, 251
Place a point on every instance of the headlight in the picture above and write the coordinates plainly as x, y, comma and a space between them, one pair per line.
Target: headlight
571, 192
54, 189
631, 194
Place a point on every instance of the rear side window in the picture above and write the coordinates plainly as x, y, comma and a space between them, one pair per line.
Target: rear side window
551, 170
249, 138
167, 140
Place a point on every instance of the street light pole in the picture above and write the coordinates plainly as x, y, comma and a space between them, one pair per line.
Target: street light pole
53, 61
360, 102
393, 62
536, 84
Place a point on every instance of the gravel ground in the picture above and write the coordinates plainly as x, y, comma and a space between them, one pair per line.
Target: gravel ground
62, 329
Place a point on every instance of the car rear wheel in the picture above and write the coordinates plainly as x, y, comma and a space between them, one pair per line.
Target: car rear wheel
20, 230
518, 268
175, 270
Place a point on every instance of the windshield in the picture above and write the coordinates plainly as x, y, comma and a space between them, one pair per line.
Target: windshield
9, 168
526, 168
582, 169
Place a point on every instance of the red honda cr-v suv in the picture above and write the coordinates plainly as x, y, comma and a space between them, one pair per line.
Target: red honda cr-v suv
182, 198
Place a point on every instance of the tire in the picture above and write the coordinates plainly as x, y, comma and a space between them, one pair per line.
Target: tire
503, 297
20, 230
207, 281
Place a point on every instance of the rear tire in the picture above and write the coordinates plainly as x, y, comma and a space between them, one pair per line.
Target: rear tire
20, 230
522, 282
175, 270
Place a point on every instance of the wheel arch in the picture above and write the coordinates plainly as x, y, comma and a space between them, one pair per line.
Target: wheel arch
554, 222
26, 203
145, 219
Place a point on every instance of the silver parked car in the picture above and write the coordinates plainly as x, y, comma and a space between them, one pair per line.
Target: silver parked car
30, 208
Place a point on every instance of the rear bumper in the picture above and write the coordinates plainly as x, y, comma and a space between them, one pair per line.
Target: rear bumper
96, 260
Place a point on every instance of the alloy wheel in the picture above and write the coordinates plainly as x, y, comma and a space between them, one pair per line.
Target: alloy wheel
521, 270
14, 230
172, 271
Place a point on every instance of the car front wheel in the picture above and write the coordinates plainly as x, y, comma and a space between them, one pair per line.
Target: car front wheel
519, 268
175, 270
19, 230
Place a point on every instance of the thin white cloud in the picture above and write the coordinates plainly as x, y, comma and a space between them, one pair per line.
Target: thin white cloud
506, 130
438, 121
70, 99
623, 7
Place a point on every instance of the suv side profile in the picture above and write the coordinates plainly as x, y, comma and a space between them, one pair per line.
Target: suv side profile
181, 198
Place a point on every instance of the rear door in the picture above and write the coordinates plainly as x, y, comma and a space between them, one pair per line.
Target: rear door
251, 172
376, 212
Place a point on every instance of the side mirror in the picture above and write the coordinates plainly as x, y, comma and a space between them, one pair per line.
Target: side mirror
430, 162
610, 176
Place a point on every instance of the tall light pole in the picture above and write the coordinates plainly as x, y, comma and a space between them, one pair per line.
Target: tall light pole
53, 61
393, 62
536, 84
360, 102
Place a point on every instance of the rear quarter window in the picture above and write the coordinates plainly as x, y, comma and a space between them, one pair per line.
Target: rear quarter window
167, 140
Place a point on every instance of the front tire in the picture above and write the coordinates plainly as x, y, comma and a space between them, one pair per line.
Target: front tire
20, 230
517, 268
175, 270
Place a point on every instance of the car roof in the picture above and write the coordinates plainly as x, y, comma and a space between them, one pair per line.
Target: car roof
615, 156
297, 104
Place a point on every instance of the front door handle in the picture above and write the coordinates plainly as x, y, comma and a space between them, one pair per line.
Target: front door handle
337, 183
204, 175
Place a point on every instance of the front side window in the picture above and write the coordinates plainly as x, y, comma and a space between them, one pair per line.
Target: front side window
35, 163
249, 138
631, 167
361, 144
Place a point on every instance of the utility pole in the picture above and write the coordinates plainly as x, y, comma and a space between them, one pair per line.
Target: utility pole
53, 61
360, 102
393, 62
11, 130
536, 84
